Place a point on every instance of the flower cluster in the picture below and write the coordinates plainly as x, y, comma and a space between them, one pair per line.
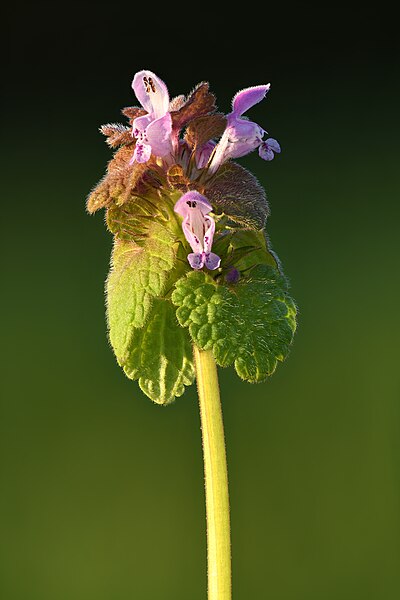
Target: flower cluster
191, 262
154, 145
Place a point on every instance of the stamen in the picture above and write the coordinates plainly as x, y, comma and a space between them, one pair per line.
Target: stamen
146, 83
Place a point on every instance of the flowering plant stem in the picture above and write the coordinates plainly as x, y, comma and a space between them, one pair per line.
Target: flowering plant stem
216, 477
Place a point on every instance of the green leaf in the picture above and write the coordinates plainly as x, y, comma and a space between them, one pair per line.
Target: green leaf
131, 221
159, 355
138, 275
250, 324
244, 249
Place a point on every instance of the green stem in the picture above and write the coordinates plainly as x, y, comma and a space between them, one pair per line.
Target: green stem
216, 477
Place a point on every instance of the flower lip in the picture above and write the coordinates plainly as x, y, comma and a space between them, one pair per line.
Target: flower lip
208, 259
269, 148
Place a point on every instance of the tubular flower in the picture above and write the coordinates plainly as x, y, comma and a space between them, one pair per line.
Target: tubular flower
204, 153
241, 135
198, 228
152, 131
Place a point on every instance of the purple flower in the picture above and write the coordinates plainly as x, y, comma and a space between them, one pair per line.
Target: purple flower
241, 135
232, 276
152, 131
198, 228
203, 154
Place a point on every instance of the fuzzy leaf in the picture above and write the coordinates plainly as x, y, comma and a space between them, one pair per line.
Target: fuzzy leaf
200, 102
203, 129
159, 355
120, 179
117, 134
177, 103
250, 324
245, 249
177, 179
132, 220
235, 192
123, 181
138, 275
132, 112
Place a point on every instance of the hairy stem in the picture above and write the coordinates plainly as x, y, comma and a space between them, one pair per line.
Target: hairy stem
216, 478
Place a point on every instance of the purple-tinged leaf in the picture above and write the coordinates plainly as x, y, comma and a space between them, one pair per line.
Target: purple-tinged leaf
177, 102
117, 134
133, 112
235, 192
199, 103
177, 179
203, 129
122, 181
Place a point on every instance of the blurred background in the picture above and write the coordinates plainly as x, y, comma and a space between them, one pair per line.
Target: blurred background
101, 491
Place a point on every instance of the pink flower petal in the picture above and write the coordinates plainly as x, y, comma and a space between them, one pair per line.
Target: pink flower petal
182, 207
140, 123
203, 154
194, 240
265, 152
151, 92
141, 154
273, 144
196, 261
158, 134
248, 97
212, 261
242, 129
209, 233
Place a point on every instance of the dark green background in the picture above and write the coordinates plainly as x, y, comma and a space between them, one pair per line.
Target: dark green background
101, 491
